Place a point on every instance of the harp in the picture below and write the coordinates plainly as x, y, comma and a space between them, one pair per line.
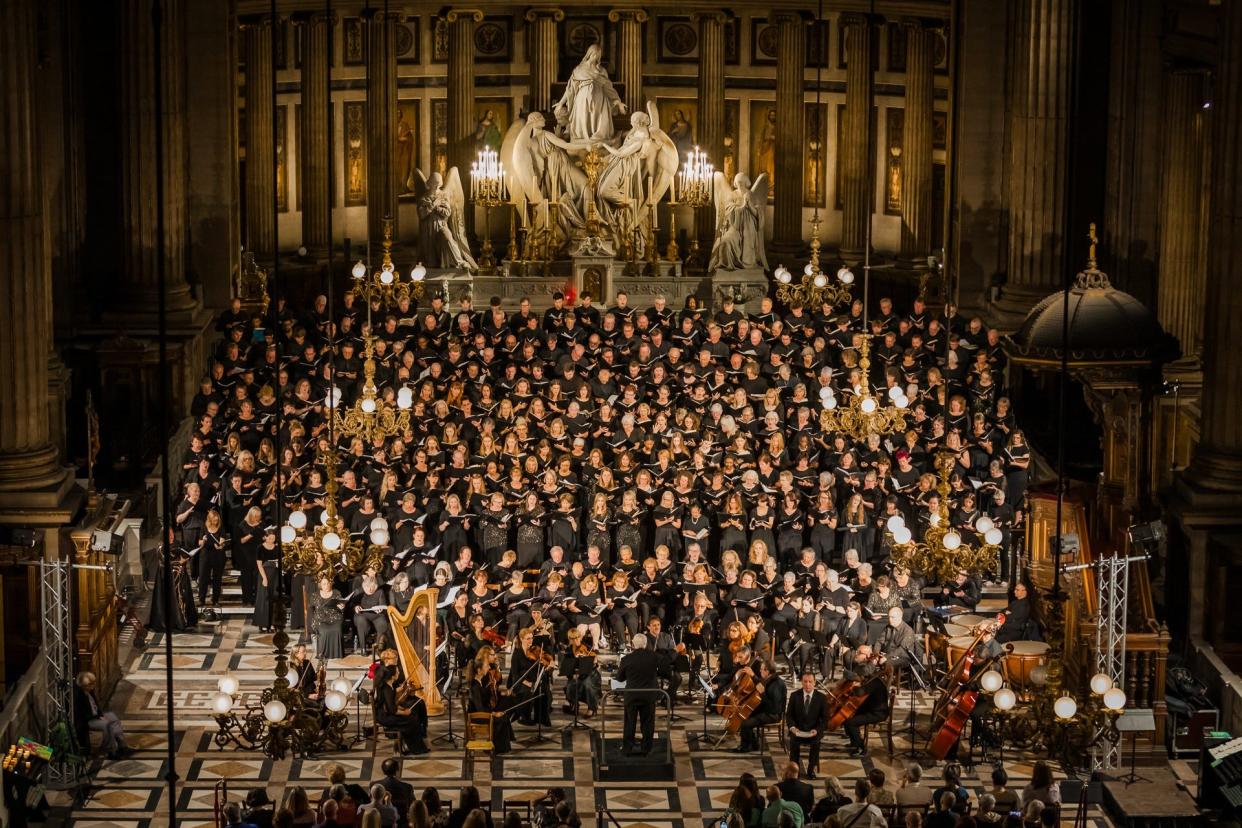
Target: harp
416, 636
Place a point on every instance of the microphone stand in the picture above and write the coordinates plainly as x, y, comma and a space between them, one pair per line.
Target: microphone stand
912, 752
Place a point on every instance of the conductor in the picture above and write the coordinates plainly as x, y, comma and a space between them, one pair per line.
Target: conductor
638, 670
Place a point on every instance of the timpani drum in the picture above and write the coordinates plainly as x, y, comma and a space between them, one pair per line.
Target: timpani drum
938, 642
958, 647
969, 620
1022, 661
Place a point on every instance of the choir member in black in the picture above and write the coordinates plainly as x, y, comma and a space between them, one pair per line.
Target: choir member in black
623, 616
806, 639
246, 542
833, 599
399, 708
563, 526
483, 599
267, 568
963, 592
770, 709
910, 590
852, 635
326, 612
494, 528
515, 602
629, 518
806, 716
530, 679
454, 526
552, 602
732, 524
599, 526
746, 599
670, 655
1021, 617
879, 602
582, 684
191, 516
700, 633
184, 615
371, 614
456, 624
696, 527
531, 520
488, 694
874, 685
212, 556
586, 606
790, 525
666, 517
653, 591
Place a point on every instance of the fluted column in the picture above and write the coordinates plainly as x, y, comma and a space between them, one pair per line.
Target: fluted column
461, 24
260, 152
711, 104
916, 146
791, 119
856, 169
630, 54
28, 459
1039, 123
314, 168
542, 51
381, 121
1217, 462
1182, 268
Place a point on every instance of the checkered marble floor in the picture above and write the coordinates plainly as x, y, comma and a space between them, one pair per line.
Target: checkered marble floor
134, 792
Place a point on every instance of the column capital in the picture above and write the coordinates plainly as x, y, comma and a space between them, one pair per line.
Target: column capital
254, 21
381, 15
452, 15
303, 18
921, 24
720, 16
848, 19
788, 17
637, 15
536, 12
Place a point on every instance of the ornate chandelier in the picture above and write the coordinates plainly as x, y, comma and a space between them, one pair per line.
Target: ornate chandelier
371, 417
385, 284
283, 721
327, 550
864, 414
943, 552
815, 288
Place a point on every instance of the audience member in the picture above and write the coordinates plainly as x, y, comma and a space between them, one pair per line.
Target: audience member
1006, 800
943, 816
1042, 787
831, 803
952, 783
778, 806
860, 813
913, 793
381, 801
417, 816
298, 805
746, 801
258, 808
233, 817
880, 796
793, 788
400, 792
987, 810
467, 803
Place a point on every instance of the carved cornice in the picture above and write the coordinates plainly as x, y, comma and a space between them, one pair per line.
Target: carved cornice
722, 16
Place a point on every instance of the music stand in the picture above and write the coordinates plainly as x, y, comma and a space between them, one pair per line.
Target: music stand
1135, 722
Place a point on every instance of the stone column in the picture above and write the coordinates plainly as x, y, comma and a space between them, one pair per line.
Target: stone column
916, 146
711, 126
857, 171
790, 137
260, 152
381, 123
314, 167
630, 54
1217, 461
1045, 42
461, 23
1182, 270
542, 51
28, 460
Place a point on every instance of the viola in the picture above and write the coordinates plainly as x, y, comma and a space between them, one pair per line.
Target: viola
492, 637
536, 653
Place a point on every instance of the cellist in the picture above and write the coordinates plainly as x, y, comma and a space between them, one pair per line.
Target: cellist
986, 651
770, 709
873, 683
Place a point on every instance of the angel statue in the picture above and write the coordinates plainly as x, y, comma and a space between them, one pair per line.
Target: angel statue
639, 172
740, 213
588, 103
442, 225
540, 169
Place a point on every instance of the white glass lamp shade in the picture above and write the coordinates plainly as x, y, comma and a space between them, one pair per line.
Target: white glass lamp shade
227, 685
222, 704
274, 711
359, 270
1039, 675
991, 681
808, 270
1065, 707
782, 275
297, 519
902, 401
895, 392
1115, 698
323, 518
895, 522
1004, 699
405, 398
994, 536
820, 280
830, 402
952, 540
984, 525
902, 535
342, 686
288, 534
867, 405
379, 537
334, 700
379, 523
292, 678
418, 273
1101, 683
846, 276
368, 405
386, 276
302, 250
331, 541
825, 392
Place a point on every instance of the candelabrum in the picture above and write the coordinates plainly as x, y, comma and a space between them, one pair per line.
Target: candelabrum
487, 190
863, 415
696, 189
943, 552
385, 284
371, 417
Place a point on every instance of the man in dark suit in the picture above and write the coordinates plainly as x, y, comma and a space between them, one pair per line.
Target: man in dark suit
402, 793
794, 789
806, 712
639, 671
898, 642
770, 707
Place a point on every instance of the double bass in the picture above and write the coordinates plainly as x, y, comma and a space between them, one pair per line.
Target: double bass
959, 699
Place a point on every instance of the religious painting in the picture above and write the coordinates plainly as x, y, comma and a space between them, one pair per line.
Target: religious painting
815, 155
763, 42
875, 48
282, 158
894, 124
493, 40
763, 143
817, 44
896, 47
405, 148
679, 40
729, 164
492, 117
355, 153
439, 136
354, 49
679, 117
439, 41
578, 33
407, 41
940, 130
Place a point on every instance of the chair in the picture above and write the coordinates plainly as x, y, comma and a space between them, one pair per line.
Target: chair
888, 723
378, 732
478, 737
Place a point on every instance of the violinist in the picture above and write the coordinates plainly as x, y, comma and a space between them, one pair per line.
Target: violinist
305, 680
530, 678
773, 691
457, 623
398, 708
488, 694
760, 641
873, 685
583, 685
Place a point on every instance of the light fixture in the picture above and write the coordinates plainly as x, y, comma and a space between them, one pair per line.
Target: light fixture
1115, 698
864, 416
359, 270
951, 540
328, 550
227, 685
845, 276
1065, 707
370, 417
274, 711
383, 285
695, 186
418, 273
991, 681
487, 190
335, 701
1101, 683
222, 703
342, 685
1004, 699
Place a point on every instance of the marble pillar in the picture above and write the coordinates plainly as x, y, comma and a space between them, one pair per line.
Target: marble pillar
1179, 302
711, 127
916, 146
315, 167
28, 459
630, 55
542, 52
790, 136
461, 154
1045, 41
260, 184
1217, 461
857, 173
381, 123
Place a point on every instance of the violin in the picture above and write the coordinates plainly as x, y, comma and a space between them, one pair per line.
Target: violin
581, 650
492, 637
536, 653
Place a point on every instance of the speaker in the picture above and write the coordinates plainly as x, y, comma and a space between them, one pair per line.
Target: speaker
109, 542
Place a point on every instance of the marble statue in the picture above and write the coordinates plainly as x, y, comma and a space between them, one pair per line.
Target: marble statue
589, 101
740, 212
442, 224
541, 169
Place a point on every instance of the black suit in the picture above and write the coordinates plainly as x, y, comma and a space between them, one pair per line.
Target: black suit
803, 716
639, 671
402, 794
795, 790
768, 711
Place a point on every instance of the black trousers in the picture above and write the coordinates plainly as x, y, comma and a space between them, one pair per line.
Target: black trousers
211, 575
796, 744
639, 708
855, 724
749, 739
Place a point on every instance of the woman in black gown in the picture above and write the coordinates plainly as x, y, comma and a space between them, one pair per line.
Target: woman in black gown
489, 695
184, 614
267, 567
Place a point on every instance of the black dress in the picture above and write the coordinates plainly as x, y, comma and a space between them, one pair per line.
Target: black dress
184, 615
264, 594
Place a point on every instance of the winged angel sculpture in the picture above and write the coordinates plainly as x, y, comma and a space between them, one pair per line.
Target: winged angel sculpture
442, 224
740, 211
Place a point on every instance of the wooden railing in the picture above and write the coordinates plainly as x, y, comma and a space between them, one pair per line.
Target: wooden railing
1147, 641
96, 634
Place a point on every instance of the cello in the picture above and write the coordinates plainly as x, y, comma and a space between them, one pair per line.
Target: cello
844, 700
737, 703
959, 699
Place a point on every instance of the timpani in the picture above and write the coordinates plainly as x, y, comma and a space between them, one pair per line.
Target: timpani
1022, 660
